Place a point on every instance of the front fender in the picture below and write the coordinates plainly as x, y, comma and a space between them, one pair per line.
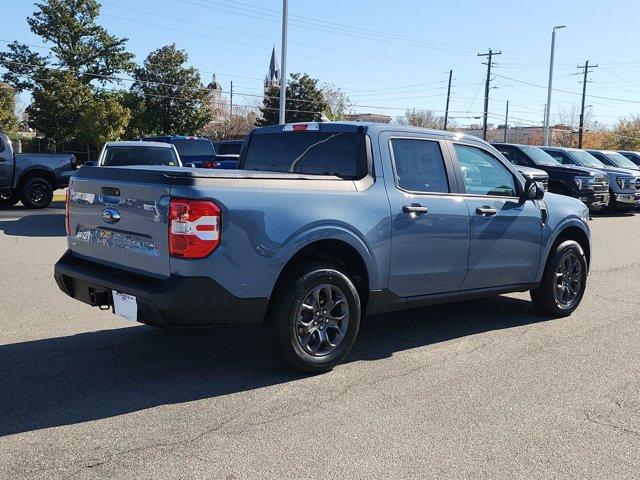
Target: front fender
552, 235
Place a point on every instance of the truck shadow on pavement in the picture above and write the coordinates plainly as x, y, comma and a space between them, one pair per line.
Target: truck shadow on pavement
96, 375
51, 225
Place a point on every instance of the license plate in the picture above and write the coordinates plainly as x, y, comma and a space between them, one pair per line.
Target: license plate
125, 306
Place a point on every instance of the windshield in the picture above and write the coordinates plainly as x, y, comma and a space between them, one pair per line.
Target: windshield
315, 153
228, 148
194, 147
119, 156
621, 160
585, 159
539, 156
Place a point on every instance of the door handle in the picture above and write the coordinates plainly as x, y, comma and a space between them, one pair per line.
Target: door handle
415, 208
486, 211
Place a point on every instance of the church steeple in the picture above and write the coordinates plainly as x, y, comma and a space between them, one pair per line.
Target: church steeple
273, 74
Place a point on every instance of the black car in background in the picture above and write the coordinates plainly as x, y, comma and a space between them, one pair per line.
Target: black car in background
587, 184
228, 153
633, 156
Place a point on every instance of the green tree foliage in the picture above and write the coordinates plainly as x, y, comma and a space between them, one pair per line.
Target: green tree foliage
8, 120
305, 101
66, 109
168, 96
66, 82
627, 134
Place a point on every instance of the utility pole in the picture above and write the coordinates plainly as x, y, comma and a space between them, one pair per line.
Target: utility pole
283, 72
231, 100
506, 122
547, 114
446, 110
584, 94
489, 56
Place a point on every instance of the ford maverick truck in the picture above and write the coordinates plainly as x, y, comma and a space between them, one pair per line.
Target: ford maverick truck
323, 224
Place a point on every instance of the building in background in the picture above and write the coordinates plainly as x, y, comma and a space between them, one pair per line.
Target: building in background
560, 135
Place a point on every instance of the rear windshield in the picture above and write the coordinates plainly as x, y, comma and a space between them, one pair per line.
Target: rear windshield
229, 149
316, 153
194, 147
121, 156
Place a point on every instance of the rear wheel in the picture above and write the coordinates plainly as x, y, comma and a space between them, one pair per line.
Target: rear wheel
314, 318
8, 200
563, 282
36, 193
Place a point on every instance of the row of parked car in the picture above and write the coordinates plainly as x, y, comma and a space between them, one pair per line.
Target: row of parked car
604, 180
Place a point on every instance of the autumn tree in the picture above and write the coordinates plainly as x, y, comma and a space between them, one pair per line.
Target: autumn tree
230, 127
422, 118
305, 101
168, 96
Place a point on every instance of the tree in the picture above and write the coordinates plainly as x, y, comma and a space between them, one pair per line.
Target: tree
627, 134
104, 121
422, 118
58, 105
230, 127
305, 101
169, 96
80, 46
337, 101
8, 120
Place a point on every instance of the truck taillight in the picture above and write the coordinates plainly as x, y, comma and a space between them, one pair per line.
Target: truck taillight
67, 220
194, 227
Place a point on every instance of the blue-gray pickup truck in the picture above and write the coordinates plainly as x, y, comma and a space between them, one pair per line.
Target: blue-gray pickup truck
322, 224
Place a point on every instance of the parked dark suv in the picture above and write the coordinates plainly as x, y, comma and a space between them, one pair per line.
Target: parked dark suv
587, 184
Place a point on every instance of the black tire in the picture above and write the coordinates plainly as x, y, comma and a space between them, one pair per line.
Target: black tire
548, 299
286, 332
8, 200
36, 193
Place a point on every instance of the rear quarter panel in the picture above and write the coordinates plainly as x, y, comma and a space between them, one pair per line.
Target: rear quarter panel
262, 228
54, 164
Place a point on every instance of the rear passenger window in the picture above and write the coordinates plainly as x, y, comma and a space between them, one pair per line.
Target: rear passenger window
483, 173
419, 165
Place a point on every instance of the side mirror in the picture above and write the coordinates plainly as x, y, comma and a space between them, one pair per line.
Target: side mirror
533, 190
89, 163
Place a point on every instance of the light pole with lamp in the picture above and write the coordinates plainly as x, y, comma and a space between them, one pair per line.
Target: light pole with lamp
548, 111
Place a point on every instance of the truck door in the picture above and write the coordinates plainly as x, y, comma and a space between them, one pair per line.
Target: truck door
430, 223
6, 163
505, 229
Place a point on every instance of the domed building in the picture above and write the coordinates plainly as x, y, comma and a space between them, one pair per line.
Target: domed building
216, 101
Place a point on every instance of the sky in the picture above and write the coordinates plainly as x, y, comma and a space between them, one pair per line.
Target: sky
392, 56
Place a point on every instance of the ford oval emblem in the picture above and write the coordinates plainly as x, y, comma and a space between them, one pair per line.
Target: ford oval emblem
111, 215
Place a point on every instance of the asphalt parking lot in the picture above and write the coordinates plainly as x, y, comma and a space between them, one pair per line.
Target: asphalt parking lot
481, 389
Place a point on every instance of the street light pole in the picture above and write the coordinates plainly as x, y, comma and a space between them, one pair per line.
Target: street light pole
283, 71
548, 111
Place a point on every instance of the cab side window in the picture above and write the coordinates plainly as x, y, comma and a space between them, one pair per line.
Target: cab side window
419, 165
561, 157
483, 173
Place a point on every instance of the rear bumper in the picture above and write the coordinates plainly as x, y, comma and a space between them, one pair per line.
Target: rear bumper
173, 302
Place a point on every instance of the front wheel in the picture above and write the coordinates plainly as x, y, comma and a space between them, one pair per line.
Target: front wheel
36, 193
314, 318
563, 282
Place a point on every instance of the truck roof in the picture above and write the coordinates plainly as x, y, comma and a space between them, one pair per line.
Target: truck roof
369, 127
139, 143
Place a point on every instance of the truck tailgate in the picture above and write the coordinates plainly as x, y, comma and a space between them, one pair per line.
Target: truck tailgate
120, 222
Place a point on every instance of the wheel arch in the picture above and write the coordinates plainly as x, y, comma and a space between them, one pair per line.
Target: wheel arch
344, 252
37, 172
569, 231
